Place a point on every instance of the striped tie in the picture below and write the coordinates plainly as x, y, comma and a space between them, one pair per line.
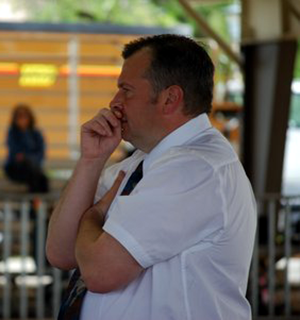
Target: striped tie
74, 295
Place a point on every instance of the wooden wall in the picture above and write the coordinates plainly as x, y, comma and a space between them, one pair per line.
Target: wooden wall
34, 69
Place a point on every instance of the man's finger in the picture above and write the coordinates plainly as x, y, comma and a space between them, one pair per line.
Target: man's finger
92, 126
115, 187
118, 114
104, 124
111, 117
117, 111
108, 198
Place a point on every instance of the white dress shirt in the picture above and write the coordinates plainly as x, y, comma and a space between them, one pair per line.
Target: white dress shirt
190, 223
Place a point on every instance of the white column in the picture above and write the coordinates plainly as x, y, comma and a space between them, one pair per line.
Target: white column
73, 48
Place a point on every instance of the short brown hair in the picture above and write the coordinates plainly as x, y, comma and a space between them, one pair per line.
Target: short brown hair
178, 60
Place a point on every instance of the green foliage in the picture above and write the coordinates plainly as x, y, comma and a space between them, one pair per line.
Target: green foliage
216, 17
127, 12
297, 66
166, 13
295, 111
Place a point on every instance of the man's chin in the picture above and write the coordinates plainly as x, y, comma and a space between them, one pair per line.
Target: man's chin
125, 135
128, 138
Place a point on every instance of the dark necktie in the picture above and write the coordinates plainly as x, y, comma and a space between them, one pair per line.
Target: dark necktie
74, 295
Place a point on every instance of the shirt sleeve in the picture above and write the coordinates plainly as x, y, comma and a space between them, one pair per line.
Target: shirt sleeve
176, 205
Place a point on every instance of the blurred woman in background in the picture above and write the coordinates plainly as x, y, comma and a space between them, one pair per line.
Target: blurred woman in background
26, 151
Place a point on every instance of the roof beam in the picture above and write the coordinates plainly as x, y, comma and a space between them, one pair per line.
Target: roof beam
206, 29
294, 10
265, 20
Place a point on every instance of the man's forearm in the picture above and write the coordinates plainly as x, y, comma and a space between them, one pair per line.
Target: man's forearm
89, 231
76, 199
90, 256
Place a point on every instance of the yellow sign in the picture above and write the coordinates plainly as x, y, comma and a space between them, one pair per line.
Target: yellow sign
37, 75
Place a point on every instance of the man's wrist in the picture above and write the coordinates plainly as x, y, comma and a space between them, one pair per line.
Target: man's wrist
92, 163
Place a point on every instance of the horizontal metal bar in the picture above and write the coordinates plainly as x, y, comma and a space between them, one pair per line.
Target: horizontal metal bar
7, 197
85, 28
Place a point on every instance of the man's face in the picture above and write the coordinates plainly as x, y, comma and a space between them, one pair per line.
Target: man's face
133, 99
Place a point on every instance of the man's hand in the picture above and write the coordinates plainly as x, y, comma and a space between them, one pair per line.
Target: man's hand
101, 207
99, 138
101, 135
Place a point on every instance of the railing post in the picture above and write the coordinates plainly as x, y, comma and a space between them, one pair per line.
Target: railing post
287, 253
24, 254
57, 289
41, 234
6, 255
271, 250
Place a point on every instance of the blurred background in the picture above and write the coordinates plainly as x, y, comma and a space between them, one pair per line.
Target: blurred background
60, 59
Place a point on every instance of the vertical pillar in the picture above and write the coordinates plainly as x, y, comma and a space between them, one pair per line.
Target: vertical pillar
73, 97
269, 70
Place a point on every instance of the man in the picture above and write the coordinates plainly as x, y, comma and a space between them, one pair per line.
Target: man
172, 233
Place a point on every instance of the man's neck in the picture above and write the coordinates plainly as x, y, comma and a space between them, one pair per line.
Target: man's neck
167, 130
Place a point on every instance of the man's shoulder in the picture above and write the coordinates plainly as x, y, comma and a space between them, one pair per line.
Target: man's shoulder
211, 149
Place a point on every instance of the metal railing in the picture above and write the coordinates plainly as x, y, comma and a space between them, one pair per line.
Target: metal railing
31, 288
274, 283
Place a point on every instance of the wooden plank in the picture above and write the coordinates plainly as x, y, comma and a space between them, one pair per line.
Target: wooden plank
10, 83
38, 101
112, 50
34, 47
43, 119
34, 99
99, 84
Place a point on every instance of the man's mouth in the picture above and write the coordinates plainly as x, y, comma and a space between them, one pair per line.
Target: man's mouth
123, 124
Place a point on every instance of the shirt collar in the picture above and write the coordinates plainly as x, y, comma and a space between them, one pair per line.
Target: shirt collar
178, 137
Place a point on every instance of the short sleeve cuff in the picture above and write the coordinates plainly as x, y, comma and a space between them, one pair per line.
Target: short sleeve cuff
128, 241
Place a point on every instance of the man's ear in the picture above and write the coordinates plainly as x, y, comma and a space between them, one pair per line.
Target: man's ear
172, 99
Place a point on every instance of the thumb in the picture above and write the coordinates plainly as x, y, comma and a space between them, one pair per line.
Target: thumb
108, 198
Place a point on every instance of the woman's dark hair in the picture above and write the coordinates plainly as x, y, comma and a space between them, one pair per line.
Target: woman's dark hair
22, 108
178, 60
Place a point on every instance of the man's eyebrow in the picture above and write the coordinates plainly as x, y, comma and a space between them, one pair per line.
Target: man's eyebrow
124, 84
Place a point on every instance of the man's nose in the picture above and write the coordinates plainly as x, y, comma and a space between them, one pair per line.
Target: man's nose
116, 102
